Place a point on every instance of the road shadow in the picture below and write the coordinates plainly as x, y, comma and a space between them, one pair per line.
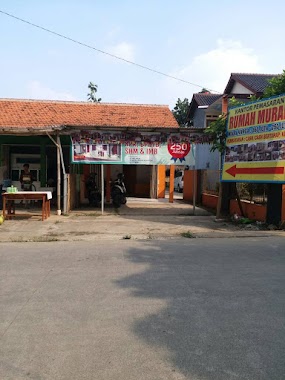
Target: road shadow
224, 318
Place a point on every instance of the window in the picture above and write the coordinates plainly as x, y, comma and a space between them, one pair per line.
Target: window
15, 175
28, 160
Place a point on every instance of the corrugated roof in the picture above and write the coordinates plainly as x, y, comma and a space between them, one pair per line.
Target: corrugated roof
38, 114
256, 83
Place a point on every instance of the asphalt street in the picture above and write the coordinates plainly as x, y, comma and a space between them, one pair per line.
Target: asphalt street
197, 309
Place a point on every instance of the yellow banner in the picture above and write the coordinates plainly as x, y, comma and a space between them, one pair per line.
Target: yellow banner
255, 144
263, 112
254, 171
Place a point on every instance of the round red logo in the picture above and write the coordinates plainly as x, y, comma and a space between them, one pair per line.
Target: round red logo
179, 150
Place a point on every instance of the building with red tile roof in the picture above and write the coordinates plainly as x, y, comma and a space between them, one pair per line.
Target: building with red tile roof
28, 129
33, 116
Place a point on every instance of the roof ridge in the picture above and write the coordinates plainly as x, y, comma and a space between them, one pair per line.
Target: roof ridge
82, 102
206, 93
254, 74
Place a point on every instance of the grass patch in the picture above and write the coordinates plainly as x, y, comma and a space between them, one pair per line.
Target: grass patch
188, 235
81, 233
86, 214
37, 239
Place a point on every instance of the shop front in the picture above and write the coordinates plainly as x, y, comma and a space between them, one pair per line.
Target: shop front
125, 138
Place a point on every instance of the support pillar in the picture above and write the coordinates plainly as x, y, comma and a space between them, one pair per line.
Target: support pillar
283, 205
161, 181
58, 175
108, 183
153, 182
1, 155
225, 104
274, 203
43, 178
171, 183
223, 206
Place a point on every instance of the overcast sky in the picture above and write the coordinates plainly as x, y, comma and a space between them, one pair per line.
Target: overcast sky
199, 41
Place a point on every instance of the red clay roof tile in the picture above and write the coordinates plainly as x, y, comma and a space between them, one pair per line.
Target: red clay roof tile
44, 113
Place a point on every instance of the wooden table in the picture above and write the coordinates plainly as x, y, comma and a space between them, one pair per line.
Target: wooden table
10, 198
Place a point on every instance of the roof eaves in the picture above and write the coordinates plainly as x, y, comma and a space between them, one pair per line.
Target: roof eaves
244, 84
235, 77
191, 109
126, 127
30, 130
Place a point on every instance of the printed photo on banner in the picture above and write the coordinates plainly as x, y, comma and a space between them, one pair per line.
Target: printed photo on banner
255, 143
262, 151
97, 152
132, 148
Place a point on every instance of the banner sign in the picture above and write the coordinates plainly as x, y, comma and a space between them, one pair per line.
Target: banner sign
100, 147
255, 144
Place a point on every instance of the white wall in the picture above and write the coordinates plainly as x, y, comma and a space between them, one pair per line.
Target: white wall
205, 159
240, 89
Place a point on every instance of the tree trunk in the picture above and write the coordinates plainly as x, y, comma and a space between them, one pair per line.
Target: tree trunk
238, 200
219, 205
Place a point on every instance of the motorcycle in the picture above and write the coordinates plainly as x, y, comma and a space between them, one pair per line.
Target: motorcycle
93, 193
118, 191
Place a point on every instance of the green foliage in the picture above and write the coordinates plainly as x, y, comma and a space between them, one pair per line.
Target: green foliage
276, 86
253, 98
204, 91
233, 102
180, 111
91, 96
187, 234
217, 129
217, 133
252, 191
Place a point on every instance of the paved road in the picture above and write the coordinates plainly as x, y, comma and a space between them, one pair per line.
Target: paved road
197, 309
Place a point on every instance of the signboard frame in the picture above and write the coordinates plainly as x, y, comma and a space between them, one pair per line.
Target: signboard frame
255, 142
133, 148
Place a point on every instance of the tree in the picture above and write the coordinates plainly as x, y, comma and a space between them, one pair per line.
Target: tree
217, 132
276, 86
180, 111
217, 129
204, 91
91, 96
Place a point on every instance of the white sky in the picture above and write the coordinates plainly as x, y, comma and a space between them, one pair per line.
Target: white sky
199, 41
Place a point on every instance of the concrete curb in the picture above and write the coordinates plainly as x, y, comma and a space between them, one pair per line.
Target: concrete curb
139, 222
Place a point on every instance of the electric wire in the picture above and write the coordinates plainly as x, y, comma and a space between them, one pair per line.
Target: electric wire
103, 52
